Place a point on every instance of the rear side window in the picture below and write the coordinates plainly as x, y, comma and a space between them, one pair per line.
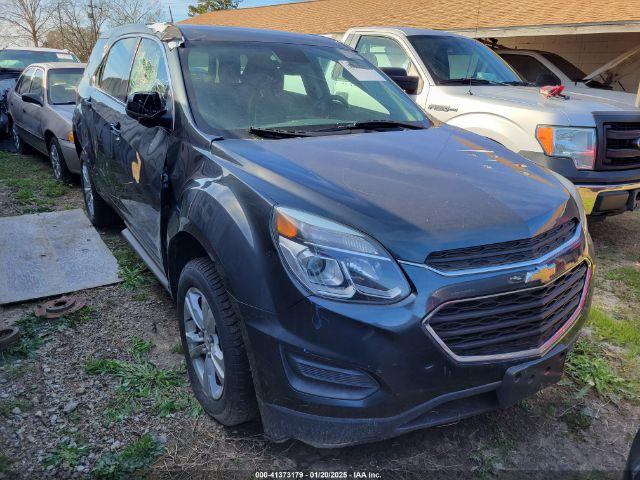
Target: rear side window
531, 69
149, 71
25, 82
36, 83
114, 78
383, 52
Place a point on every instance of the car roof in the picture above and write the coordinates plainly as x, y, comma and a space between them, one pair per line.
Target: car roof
57, 65
224, 34
409, 31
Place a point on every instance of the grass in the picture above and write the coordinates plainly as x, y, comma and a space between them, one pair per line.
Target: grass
135, 456
34, 332
5, 465
69, 453
621, 332
579, 420
31, 182
589, 367
629, 276
141, 381
133, 271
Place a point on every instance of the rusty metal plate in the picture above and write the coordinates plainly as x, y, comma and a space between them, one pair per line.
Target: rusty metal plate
49, 254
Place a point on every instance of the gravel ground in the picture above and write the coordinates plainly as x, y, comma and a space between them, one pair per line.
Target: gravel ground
62, 413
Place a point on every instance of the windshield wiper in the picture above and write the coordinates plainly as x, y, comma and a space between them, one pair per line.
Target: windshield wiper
465, 81
276, 133
372, 125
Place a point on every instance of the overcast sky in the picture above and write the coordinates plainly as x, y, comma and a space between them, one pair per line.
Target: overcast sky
179, 8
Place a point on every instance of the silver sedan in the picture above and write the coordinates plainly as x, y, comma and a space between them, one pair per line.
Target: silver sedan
41, 107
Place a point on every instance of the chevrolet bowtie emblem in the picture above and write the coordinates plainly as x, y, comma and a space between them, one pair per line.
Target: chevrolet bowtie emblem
543, 273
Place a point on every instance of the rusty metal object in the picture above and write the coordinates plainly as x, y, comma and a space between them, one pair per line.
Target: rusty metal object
61, 306
9, 336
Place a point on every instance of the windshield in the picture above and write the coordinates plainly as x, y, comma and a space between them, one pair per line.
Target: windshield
61, 85
568, 68
452, 60
20, 59
242, 86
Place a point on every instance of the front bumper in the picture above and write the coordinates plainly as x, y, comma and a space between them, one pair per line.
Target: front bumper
333, 374
603, 192
70, 155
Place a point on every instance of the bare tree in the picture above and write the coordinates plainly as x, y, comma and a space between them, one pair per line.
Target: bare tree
29, 19
134, 11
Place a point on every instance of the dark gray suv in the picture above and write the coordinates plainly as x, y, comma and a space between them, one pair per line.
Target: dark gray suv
342, 266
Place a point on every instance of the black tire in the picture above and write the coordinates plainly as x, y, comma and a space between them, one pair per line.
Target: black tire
58, 163
99, 212
237, 403
9, 337
20, 147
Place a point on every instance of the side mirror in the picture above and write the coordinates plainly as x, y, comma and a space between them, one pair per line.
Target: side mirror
32, 98
408, 83
146, 107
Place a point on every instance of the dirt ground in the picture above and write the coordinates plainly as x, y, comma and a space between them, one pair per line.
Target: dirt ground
72, 407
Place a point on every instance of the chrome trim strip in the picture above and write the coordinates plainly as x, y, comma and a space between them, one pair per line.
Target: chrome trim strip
507, 266
536, 352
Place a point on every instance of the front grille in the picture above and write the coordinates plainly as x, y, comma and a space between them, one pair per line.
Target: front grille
621, 145
509, 322
504, 253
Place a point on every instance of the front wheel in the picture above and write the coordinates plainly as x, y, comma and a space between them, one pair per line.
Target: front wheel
100, 214
58, 165
215, 353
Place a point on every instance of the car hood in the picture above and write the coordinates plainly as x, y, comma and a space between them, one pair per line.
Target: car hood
65, 112
413, 191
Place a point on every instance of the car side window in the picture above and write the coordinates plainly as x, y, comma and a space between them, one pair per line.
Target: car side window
384, 53
114, 75
25, 82
36, 83
530, 68
149, 71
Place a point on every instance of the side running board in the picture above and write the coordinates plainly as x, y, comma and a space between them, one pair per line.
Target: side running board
151, 264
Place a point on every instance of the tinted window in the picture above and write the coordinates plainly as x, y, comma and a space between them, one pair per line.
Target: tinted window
20, 59
61, 85
531, 69
25, 81
453, 59
149, 71
232, 87
115, 71
36, 83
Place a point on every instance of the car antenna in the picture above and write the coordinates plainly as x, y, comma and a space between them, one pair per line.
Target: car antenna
475, 37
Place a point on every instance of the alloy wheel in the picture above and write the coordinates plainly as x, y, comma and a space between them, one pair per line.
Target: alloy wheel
17, 143
54, 156
87, 191
203, 343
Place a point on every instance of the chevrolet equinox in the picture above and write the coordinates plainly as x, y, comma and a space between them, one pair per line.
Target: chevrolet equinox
344, 267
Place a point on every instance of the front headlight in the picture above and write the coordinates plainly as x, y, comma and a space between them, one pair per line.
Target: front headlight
577, 143
335, 261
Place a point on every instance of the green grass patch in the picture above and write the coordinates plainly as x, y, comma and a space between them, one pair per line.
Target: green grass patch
31, 181
629, 276
5, 465
142, 382
136, 456
132, 270
579, 420
177, 348
68, 453
84, 315
33, 333
590, 368
621, 332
